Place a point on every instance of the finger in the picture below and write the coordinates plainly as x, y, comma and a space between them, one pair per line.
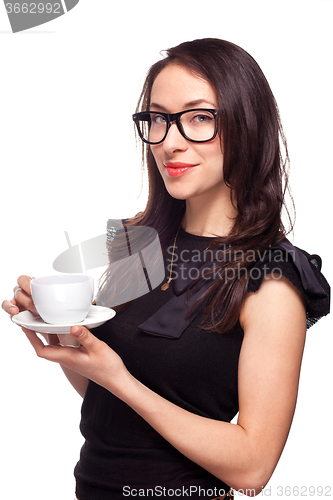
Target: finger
22, 298
24, 283
52, 339
85, 337
10, 307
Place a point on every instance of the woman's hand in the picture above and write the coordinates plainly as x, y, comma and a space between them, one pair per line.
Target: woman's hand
22, 300
93, 359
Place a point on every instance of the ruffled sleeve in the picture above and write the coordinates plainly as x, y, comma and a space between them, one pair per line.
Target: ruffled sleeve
302, 269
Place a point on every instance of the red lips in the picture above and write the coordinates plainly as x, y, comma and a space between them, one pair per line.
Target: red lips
176, 168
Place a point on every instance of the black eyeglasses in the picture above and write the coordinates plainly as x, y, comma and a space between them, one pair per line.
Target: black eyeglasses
196, 125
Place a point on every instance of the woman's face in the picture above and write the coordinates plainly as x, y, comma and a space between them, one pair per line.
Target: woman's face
189, 169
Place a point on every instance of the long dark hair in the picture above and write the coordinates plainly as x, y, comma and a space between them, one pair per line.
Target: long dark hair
255, 167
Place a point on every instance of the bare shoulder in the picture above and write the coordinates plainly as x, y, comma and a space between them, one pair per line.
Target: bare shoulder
277, 302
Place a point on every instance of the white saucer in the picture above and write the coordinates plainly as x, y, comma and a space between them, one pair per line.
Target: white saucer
97, 315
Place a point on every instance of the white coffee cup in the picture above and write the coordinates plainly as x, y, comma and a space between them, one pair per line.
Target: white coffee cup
63, 298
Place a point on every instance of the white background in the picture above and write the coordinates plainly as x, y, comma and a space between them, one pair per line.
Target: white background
69, 162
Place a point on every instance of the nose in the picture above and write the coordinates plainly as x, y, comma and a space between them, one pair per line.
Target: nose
174, 140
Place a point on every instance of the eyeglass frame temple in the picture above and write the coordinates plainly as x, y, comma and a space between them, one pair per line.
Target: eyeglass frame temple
175, 118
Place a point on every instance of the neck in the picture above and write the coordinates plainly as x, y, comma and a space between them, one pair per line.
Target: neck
209, 217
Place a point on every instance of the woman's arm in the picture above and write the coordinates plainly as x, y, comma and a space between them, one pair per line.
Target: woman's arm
79, 382
242, 455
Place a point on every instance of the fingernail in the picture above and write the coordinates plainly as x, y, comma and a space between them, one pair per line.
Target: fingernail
11, 310
78, 332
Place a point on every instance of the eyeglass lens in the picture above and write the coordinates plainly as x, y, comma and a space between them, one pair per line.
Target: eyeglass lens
196, 125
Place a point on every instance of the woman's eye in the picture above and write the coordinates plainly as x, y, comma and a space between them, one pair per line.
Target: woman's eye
158, 119
202, 118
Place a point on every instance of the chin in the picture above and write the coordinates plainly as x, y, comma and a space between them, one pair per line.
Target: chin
179, 193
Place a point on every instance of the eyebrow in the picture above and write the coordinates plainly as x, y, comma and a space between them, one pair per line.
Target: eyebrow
189, 104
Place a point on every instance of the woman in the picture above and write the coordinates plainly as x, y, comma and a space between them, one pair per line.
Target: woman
225, 332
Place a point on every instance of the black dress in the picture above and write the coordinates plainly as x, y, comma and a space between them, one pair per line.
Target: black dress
195, 369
